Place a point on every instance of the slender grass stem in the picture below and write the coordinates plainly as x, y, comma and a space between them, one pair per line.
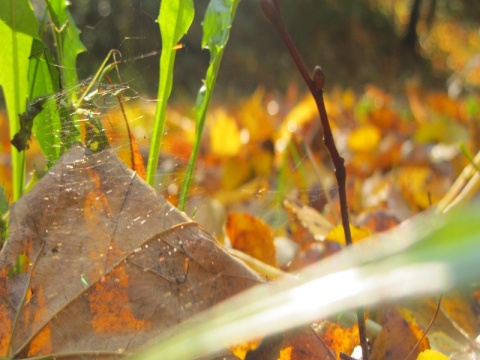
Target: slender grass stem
18, 157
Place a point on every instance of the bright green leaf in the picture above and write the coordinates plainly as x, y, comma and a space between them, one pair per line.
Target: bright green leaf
44, 80
69, 46
67, 40
216, 29
175, 18
18, 27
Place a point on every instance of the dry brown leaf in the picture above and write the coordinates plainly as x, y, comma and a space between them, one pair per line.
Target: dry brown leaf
397, 338
306, 224
112, 264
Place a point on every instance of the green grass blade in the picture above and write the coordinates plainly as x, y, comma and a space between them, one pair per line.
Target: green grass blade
427, 254
216, 30
175, 18
18, 27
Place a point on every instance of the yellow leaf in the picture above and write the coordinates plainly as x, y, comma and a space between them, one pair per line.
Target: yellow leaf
337, 235
413, 183
364, 139
255, 119
235, 173
430, 354
224, 135
348, 99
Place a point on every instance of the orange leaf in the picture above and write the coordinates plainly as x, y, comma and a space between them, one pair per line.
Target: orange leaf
137, 160
339, 339
252, 236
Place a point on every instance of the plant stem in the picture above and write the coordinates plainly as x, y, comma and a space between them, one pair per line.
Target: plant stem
316, 83
18, 157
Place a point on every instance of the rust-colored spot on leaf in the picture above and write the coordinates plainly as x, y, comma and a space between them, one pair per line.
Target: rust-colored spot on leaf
109, 306
41, 343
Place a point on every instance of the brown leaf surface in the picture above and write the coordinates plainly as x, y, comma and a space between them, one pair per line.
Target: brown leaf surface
398, 337
112, 264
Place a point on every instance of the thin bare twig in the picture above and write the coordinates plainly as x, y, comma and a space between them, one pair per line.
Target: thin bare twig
316, 83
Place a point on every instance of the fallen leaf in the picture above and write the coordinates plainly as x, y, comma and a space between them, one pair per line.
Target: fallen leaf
224, 135
364, 139
299, 344
306, 223
431, 355
337, 234
112, 264
338, 338
251, 235
397, 338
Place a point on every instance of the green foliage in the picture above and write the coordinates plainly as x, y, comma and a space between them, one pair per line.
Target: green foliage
36, 76
216, 29
44, 80
18, 28
32, 76
67, 41
175, 18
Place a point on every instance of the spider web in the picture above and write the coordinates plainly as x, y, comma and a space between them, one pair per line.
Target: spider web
138, 42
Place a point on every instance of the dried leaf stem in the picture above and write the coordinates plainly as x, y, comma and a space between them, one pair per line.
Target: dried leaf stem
316, 83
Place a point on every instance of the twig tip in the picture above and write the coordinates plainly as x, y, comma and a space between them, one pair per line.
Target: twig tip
271, 10
318, 78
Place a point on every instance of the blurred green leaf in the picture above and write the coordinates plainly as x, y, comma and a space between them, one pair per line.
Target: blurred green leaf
18, 28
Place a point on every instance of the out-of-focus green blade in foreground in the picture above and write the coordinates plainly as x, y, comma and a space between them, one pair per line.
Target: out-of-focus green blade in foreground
426, 254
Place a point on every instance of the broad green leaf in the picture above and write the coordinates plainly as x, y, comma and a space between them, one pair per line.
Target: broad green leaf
69, 45
18, 27
175, 18
44, 80
67, 40
216, 30
427, 254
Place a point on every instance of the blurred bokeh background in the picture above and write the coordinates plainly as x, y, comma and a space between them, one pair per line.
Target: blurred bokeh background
356, 42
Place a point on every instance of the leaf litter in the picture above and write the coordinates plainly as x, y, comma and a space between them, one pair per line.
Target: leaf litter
399, 163
389, 182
